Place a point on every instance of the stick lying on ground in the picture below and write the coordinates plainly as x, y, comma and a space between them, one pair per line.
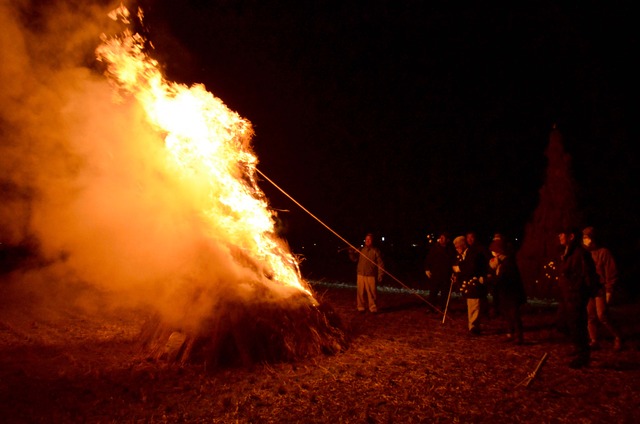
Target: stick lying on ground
529, 378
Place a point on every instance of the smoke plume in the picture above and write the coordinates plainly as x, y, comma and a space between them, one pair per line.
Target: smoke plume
86, 185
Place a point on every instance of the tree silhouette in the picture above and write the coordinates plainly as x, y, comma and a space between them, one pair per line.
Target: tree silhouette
557, 208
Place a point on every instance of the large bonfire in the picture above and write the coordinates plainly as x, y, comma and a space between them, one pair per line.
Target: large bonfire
251, 305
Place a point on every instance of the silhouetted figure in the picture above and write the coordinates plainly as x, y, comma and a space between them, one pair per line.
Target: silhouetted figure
480, 249
578, 283
438, 268
508, 288
598, 306
472, 242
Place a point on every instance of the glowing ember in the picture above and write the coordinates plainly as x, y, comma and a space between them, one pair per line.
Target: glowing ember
208, 148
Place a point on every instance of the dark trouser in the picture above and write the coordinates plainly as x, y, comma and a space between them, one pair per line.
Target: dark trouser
439, 292
598, 313
575, 315
510, 311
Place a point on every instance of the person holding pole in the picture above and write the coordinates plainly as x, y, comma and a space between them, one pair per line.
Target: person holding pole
440, 259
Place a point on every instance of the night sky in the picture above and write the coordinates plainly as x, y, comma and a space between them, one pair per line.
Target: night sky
403, 117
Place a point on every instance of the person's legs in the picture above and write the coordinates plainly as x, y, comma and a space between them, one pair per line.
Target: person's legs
370, 288
602, 312
508, 316
562, 324
360, 293
592, 321
434, 289
473, 313
517, 324
444, 294
484, 310
578, 331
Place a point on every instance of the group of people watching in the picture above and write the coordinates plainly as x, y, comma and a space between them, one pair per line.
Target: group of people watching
475, 271
587, 275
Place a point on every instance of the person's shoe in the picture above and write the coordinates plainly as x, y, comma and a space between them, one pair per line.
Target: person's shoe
474, 331
594, 345
579, 362
617, 344
361, 311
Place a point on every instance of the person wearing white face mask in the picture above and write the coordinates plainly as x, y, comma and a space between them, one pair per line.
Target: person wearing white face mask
597, 308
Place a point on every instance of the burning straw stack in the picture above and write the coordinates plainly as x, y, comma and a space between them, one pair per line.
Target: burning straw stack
250, 332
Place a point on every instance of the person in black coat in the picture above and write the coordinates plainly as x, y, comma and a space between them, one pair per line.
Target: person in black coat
508, 289
438, 268
470, 274
578, 282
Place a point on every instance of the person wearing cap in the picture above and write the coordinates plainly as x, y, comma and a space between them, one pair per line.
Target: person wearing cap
508, 288
597, 308
440, 259
470, 271
578, 282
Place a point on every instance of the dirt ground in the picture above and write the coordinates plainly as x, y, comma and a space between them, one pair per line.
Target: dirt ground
403, 366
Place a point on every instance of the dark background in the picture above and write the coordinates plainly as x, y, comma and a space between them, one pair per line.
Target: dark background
407, 117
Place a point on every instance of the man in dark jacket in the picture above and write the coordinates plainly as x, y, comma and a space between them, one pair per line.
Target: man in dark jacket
578, 283
440, 259
470, 273
508, 291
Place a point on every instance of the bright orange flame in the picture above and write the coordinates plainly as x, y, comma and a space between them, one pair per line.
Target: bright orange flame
208, 146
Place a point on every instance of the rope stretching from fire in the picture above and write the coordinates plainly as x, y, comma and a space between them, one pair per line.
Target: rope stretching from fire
350, 245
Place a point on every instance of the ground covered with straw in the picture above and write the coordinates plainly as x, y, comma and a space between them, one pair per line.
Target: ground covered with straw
402, 365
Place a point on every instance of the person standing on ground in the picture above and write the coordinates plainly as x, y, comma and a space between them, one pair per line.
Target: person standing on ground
478, 248
597, 308
470, 271
438, 268
370, 270
508, 288
578, 283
